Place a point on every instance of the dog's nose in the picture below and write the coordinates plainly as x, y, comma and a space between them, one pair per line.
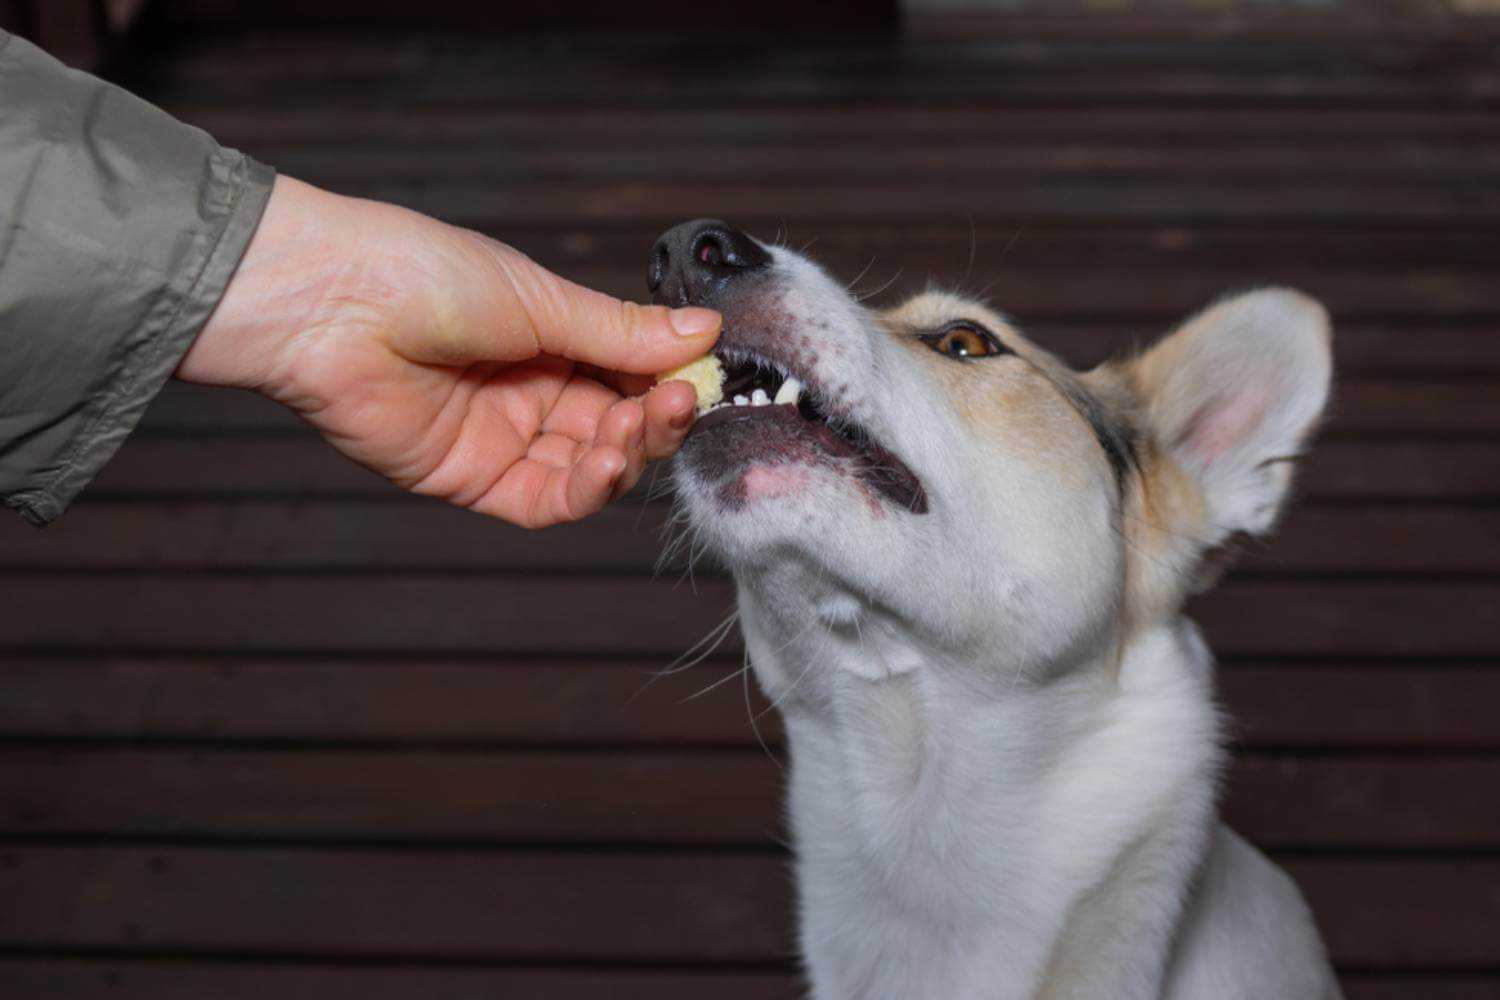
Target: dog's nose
690, 263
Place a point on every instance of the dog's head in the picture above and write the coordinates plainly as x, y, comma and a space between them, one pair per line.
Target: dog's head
927, 466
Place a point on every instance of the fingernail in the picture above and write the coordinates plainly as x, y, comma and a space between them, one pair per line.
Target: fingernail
693, 322
681, 420
638, 438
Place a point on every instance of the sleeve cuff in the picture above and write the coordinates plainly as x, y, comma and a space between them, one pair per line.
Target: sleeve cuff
237, 200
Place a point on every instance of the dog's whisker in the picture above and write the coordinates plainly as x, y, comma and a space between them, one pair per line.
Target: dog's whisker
696, 654
870, 295
750, 712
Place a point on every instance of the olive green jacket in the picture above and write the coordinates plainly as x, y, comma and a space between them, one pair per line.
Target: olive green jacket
119, 230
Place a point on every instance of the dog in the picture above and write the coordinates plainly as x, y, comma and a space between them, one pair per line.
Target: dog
959, 568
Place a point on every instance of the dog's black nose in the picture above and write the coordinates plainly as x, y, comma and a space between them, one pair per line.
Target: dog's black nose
693, 261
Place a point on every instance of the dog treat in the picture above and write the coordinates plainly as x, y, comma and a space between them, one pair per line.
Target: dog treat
706, 375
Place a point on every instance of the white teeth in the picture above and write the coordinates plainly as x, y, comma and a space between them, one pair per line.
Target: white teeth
759, 398
741, 401
790, 391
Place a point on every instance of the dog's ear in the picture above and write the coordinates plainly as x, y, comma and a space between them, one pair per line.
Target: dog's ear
1230, 396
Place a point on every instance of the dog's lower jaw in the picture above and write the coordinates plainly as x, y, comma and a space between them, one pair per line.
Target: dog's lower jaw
1042, 845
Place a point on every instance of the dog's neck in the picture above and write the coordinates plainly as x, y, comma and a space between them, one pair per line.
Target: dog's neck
958, 817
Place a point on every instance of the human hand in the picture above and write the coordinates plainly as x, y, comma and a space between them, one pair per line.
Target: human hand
449, 363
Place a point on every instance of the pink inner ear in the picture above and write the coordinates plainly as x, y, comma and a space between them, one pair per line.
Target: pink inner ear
1222, 425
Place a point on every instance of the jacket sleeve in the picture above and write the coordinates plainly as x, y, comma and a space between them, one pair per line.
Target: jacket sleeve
119, 229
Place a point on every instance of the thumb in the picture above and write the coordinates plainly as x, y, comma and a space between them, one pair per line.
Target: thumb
583, 325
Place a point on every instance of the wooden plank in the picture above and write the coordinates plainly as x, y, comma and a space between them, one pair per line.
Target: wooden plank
1375, 986
1397, 913
193, 979
1367, 407
379, 701
284, 466
1430, 470
74, 31
370, 699
628, 537
661, 69
1385, 924
625, 616
1361, 705
177, 979
399, 17
727, 798
705, 798
1356, 204
1330, 23
320, 122
528, 905
1419, 162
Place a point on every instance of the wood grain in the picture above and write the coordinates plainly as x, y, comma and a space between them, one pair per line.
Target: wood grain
379, 701
1378, 913
721, 798
630, 616
193, 979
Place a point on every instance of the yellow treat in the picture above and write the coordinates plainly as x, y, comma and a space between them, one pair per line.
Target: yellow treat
706, 375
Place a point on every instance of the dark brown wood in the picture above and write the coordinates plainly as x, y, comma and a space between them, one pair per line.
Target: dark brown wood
541, 906
1192, 21
379, 701
631, 616
629, 537
481, 17
75, 31
495, 905
313, 125
1375, 986
177, 979
1375, 912
715, 70
1427, 705
373, 700
1029, 202
1434, 469
1106, 183
703, 797
13, 17
1418, 162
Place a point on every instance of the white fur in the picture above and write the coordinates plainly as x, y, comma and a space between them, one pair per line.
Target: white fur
989, 796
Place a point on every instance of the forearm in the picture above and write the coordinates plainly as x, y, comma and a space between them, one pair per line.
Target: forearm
119, 230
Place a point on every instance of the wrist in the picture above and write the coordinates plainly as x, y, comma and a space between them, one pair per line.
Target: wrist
284, 282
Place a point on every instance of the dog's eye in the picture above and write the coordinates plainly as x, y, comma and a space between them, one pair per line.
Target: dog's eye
963, 341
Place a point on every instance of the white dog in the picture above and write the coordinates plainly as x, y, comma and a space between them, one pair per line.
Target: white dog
960, 566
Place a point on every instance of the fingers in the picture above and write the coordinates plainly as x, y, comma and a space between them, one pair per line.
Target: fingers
624, 428
579, 323
669, 412
535, 493
592, 482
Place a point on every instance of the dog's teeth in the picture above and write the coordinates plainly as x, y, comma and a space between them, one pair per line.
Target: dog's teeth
759, 398
741, 401
790, 391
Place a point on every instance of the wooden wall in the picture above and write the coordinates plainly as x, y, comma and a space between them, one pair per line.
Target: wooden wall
270, 728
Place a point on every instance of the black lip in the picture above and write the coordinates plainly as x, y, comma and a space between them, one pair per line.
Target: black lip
874, 465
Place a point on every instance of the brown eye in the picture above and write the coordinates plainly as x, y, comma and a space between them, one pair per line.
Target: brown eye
962, 341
